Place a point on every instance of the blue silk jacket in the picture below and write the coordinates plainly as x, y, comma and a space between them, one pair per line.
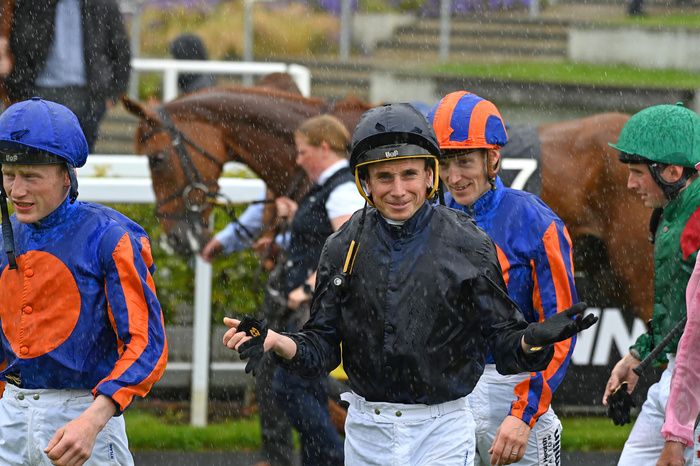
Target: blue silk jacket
534, 250
80, 311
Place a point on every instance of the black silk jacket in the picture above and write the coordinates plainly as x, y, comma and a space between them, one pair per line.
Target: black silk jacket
421, 309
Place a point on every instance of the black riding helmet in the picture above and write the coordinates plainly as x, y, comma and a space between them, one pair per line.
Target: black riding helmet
392, 132
389, 132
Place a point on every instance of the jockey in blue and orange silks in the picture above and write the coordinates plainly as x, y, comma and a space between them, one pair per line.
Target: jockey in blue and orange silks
534, 251
82, 329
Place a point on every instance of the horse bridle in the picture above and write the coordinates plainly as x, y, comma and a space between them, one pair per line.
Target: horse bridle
194, 181
194, 178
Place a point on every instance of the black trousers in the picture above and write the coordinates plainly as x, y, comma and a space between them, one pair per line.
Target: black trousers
277, 443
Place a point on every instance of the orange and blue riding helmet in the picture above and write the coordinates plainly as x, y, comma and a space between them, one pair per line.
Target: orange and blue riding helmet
463, 120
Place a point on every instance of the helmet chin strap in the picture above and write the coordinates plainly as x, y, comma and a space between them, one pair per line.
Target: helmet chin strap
670, 190
8, 237
73, 183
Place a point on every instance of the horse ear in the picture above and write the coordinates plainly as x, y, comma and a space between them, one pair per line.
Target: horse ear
280, 81
136, 108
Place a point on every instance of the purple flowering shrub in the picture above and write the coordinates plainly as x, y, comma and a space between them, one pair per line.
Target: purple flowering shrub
429, 8
188, 4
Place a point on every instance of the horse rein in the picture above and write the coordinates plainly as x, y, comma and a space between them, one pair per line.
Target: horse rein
194, 178
195, 181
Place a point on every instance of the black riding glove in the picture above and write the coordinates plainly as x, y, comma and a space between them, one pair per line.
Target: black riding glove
560, 327
252, 350
619, 405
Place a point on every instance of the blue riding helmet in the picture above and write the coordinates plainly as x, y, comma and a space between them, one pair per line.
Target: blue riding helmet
38, 131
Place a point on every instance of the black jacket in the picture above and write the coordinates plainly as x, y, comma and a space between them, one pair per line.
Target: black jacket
310, 229
105, 44
421, 310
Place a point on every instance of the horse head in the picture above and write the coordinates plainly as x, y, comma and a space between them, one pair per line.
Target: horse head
188, 140
185, 159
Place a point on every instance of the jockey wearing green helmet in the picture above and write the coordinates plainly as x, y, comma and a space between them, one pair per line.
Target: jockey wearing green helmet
661, 136
661, 145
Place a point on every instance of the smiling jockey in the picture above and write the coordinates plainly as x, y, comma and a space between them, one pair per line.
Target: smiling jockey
534, 251
415, 294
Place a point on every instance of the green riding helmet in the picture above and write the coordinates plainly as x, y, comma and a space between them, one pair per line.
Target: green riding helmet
667, 134
659, 136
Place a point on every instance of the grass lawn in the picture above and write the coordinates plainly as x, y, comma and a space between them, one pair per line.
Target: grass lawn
575, 73
149, 432
593, 434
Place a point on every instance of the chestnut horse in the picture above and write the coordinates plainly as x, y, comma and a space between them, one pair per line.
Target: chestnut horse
188, 140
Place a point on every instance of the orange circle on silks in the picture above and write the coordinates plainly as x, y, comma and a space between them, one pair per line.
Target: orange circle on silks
40, 304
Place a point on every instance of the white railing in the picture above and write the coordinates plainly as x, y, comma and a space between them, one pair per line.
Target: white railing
126, 178
171, 69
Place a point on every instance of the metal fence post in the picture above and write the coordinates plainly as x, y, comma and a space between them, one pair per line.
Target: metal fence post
534, 8
445, 18
170, 90
247, 37
345, 36
201, 343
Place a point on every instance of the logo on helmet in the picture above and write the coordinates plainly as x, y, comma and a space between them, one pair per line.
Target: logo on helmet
391, 153
11, 158
17, 135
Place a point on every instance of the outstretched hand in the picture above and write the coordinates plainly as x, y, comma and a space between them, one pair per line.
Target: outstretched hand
560, 327
251, 338
247, 336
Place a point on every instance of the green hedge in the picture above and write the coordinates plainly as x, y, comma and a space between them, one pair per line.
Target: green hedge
238, 279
